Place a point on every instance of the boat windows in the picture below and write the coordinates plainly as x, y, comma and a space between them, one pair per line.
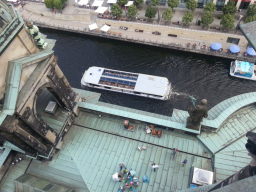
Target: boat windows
107, 87
117, 83
136, 92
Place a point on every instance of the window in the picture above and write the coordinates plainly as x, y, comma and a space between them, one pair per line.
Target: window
233, 40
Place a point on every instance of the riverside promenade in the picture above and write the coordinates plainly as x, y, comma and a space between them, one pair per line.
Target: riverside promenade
76, 20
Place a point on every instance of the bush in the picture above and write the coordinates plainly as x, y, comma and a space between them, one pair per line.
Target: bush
251, 10
250, 19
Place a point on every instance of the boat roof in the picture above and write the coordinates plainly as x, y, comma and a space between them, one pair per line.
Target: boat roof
145, 83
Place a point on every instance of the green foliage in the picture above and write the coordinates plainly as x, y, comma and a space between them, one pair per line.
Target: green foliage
154, 2
250, 19
228, 21
132, 11
251, 10
191, 5
150, 12
210, 7
116, 10
64, 1
229, 8
173, 3
168, 14
188, 17
122, 2
48, 3
138, 2
57, 4
207, 18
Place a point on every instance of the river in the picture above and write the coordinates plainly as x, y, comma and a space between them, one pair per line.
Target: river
204, 77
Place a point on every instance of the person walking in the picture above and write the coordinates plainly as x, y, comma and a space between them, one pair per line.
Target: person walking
154, 167
121, 165
54, 11
184, 162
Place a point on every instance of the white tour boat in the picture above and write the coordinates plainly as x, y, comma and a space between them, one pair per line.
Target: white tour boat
125, 82
243, 69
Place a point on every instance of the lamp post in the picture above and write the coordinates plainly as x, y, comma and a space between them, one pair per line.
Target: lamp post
237, 26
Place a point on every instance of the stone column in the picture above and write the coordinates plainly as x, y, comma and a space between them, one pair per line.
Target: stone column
238, 4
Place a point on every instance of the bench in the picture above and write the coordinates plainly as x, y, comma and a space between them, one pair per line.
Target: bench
175, 23
172, 35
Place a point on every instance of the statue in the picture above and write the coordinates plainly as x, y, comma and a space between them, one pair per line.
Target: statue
196, 114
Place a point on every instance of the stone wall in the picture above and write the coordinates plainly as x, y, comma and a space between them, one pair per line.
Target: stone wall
21, 46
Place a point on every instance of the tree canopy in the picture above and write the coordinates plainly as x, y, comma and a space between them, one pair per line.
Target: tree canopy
122, 2
173, 3
207, 18
64, 1
116, 10
188, 17
250, 19
191, 5
132, 11
228, 21
168, 14
154, 2
210, 7
229, 8
138, 2
48, 3
57, 4
150, 12
251, 10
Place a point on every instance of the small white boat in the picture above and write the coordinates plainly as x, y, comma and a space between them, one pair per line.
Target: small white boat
125, 82
243, 69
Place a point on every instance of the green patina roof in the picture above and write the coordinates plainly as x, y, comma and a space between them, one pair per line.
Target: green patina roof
249, 31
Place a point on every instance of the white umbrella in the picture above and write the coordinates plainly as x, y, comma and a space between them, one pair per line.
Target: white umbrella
105, 28
129, 3
93, 26
83, 2
101, 9
97, 3
112, 1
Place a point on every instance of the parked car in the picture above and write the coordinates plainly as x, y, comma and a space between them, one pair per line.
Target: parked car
156, 33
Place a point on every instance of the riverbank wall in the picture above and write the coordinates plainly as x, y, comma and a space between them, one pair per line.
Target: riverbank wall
146, 41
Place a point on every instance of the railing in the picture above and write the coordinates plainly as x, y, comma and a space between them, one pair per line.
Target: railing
169, 45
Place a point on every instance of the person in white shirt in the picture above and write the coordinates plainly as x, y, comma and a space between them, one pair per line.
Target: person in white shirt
154, 167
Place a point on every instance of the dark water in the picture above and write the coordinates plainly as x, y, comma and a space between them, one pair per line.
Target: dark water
190, 74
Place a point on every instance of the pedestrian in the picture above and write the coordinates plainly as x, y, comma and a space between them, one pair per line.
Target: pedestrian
174, 151
121, 165
184, 162
154, 167
54, 11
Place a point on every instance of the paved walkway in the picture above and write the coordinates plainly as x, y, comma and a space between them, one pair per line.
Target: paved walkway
78, 19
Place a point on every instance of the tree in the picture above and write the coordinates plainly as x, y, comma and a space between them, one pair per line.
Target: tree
207, 18
168, 14
228, 21
229, 8
188, 17
210, 7
49, 3
132, 11
57, 4
138, 2
150, 12
64, 1
191, 5
173, 3
251, 10
122, 2
116, 10
154, 2
250, 19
